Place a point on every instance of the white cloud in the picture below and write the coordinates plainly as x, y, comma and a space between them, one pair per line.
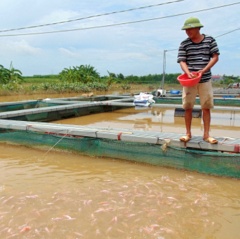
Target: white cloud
129, 49
21, 47
69, 53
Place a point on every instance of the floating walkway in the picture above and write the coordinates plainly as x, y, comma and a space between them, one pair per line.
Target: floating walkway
29, 127
54, 109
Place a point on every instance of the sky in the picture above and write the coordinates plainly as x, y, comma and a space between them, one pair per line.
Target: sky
126, 37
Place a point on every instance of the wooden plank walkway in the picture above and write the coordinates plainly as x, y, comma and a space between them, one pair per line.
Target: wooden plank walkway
77, 105
172, 139
169, 139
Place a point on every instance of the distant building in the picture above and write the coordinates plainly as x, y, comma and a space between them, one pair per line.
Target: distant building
216, 78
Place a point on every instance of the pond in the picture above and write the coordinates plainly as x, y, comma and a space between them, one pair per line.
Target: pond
47, 193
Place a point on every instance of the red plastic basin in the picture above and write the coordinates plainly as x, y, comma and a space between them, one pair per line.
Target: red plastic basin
185, 81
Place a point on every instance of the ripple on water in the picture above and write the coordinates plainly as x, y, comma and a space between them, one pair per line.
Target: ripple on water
70, 196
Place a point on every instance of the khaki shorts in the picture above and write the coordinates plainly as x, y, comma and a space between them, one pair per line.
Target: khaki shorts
203, 90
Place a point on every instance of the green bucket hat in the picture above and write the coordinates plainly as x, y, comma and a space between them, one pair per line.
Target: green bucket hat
191, 22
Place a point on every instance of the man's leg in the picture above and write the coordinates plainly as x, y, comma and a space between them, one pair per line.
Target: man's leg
206, 122
188, 97
188, 122
206, 99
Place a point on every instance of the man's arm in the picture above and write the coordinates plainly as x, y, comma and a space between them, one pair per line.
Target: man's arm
185, 69
210, 64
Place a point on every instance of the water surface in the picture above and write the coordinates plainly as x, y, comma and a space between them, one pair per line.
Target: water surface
47, 193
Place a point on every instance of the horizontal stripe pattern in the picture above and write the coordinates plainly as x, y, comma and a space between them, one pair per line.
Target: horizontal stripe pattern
197, 55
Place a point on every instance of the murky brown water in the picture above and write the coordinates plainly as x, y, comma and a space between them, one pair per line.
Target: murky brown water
224, 124
64, 195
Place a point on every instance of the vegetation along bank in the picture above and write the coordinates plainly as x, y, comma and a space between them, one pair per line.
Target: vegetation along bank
85, 78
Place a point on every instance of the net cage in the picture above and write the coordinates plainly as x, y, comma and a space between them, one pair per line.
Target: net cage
19, 129
209, 162
217, 101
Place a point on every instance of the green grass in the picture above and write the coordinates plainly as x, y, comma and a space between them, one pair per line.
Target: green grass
40, 80
52, 84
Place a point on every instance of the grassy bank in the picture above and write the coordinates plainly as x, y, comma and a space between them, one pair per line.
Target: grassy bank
52, 84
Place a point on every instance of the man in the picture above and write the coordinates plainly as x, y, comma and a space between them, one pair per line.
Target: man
198, 53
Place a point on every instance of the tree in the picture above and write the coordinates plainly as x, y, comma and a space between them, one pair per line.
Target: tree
15, 75
111, 78
11, 75
4, 75
120, 76
83, 74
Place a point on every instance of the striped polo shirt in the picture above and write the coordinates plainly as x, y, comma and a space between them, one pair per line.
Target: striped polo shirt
197, 55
